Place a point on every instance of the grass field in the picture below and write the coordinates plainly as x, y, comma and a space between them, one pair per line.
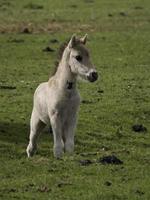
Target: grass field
119, 40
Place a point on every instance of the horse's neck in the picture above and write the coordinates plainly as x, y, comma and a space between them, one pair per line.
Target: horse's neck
65, 78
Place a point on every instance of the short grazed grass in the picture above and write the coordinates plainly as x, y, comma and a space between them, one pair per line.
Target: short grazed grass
119, 40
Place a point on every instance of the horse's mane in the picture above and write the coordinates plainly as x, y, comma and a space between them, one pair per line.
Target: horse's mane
60, 52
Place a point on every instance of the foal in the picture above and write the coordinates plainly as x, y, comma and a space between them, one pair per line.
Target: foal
57, 101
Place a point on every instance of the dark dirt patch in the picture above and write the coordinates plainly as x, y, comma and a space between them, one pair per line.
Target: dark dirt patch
7, 87
108, 183
138, 7
139, 128
16, 40
110, 15
61, 184
140, 193
86, 101
100, 91
73, 6
31, 185
11, 190
110, 160
54, 41
33, 6
103, 38
48, 49
26, 30
85, 162
123, 14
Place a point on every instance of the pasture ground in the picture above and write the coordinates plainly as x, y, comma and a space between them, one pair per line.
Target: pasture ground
119, 40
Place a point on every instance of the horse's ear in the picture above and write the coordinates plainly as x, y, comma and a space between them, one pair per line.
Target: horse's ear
72, 41
83, 39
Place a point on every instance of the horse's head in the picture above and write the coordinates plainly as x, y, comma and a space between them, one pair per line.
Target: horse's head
79, 59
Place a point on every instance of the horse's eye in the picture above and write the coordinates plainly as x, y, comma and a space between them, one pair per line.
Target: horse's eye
79, 58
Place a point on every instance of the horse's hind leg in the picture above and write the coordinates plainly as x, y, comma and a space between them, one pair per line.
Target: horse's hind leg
36, 126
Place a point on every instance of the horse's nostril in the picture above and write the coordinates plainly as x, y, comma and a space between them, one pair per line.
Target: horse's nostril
94, 75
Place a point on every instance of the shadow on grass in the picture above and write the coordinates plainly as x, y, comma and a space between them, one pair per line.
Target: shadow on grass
17, 132
14, 132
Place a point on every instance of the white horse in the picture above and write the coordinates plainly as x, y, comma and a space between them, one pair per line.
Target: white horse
56, 102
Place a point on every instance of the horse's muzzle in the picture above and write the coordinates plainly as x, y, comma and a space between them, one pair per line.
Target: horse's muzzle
93, 76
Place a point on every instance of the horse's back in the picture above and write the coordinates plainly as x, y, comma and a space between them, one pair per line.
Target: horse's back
40, 88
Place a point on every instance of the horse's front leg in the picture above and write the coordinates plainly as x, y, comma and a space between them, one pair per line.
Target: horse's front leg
56, 123
68, 133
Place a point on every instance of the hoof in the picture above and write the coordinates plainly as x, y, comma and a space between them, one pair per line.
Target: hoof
58, 153
30, 150
69, 147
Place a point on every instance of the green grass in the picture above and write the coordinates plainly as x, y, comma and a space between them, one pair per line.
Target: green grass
120, 48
